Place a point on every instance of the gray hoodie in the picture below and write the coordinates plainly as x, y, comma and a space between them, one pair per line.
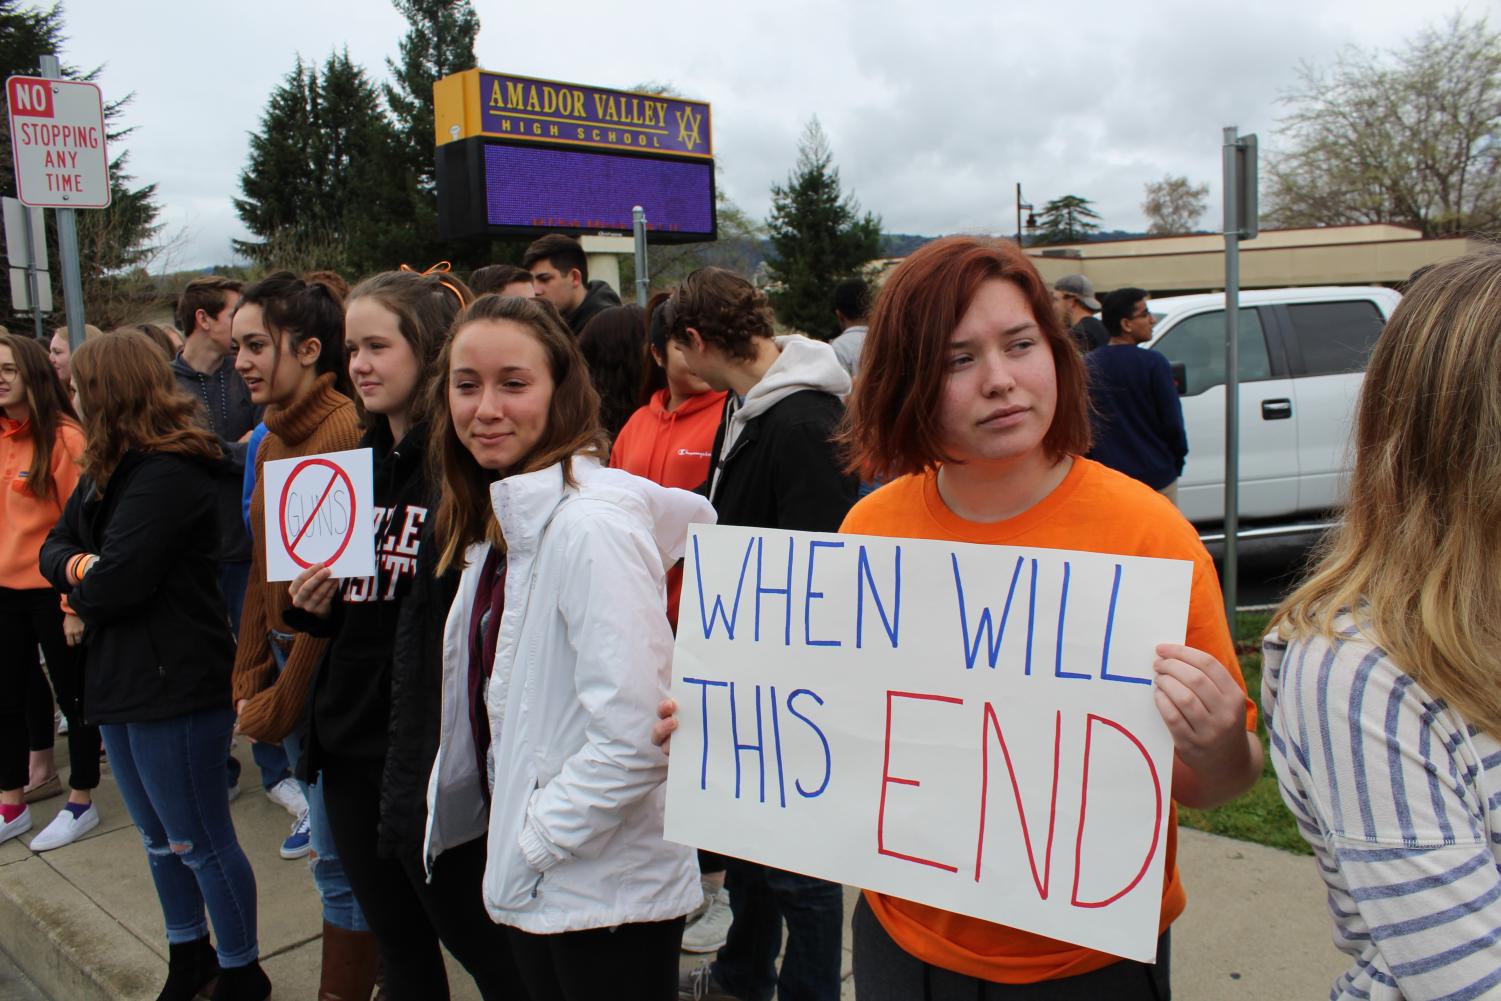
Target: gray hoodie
803, 364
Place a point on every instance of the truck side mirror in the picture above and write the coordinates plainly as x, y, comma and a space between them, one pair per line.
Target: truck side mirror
1180, 377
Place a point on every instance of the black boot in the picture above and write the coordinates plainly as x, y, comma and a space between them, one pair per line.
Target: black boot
243, 983
191, 969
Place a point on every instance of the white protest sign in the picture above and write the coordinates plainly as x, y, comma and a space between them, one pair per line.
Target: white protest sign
58, 143
320, 509
970, 727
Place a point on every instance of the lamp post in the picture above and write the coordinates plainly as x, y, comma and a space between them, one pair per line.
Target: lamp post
1031, 219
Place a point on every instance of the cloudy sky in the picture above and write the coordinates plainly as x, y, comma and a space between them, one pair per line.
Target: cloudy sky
934, 110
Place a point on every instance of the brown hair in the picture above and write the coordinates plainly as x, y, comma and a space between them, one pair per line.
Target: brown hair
611, 343
158, 336
130, 400
48, 408
464, 515
494, 277
725, 309
209, 293
1414, 557
425, 307
892, 425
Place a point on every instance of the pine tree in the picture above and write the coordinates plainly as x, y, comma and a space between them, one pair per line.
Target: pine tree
1066, 220
438, 43
114, 243
318, 188
818, 237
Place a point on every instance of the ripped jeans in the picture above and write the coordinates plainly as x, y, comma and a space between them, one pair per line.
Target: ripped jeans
172, 776
340, 909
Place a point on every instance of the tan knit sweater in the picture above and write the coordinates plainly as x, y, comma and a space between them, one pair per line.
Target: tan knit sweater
323, 420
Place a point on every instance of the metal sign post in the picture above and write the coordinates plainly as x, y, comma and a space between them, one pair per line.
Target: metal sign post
643, 280
1239, 154
67, 245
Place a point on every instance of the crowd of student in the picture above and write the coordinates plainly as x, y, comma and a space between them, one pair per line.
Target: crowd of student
473, 741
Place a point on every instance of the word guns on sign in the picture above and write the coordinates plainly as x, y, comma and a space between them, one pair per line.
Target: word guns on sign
970, 727
320, 509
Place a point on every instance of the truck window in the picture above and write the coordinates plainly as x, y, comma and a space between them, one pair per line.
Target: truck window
1199, 343
1335, 337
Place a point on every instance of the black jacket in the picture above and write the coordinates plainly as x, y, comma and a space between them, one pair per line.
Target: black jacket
416, 703
227, 406
157, 635
598, 297
784, 469
351, 692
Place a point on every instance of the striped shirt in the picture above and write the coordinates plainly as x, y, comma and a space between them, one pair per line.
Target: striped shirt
1394, 792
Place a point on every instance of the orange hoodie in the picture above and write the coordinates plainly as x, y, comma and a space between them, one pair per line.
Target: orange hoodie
25, 520
670, 447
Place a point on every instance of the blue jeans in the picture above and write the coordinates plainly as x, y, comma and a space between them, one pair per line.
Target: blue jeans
171, 776
270, 758
760, 898
340, 909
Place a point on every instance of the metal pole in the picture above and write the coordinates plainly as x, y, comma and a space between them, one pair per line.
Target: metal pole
1018, 213
67, 245
1232, 367
643, 280
31, 278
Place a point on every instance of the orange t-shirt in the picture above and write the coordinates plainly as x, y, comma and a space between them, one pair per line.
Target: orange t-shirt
27, 520
1094, 509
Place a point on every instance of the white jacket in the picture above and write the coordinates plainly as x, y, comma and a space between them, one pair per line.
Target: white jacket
583, 658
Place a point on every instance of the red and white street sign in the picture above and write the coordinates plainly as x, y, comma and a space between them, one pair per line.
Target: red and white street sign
57, 135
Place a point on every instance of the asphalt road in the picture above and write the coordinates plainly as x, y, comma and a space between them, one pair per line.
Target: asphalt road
1267, 568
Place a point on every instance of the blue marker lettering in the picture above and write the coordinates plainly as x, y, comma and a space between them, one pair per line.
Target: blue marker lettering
758, 746
809, 595
891, 625
704, 615
703, 767
1058, 671
993, 637
828, 760
785, 592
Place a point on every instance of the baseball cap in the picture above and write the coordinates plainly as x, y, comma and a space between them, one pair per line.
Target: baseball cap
1080, 288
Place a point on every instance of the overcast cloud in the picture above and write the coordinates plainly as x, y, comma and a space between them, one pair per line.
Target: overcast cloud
934, 110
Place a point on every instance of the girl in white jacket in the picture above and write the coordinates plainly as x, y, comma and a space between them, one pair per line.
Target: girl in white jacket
555, 654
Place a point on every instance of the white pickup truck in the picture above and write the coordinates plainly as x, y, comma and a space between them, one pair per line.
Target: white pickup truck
1302, 359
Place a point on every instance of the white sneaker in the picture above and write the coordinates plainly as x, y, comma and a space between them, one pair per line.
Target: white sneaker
709, 932
287, 794
20, 825
65, 829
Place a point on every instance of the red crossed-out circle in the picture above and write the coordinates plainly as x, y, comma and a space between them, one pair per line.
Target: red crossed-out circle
291, 544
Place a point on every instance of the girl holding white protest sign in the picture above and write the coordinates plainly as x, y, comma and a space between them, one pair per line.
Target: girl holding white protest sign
136, 553
289, 340
373, 727
559, 630
973, 409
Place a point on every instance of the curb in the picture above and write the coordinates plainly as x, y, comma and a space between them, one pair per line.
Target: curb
68, 945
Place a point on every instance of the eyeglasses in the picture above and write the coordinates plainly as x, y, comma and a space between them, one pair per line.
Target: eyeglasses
1145, 313
9, 371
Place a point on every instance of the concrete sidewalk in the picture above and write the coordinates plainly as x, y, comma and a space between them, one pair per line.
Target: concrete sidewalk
83, 921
